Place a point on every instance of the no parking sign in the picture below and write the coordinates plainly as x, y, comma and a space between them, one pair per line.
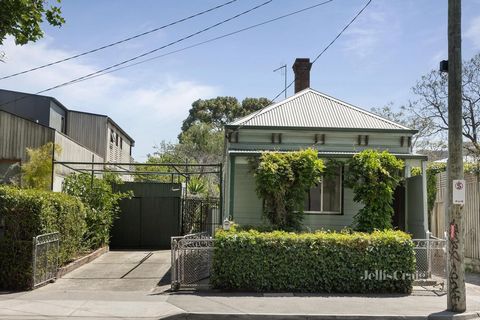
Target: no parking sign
459, 192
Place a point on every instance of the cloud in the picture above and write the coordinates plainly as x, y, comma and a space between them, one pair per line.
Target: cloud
473, 32
150, 108
366, 34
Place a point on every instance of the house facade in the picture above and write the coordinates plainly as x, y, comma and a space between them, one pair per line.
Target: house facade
30, 121
338, 130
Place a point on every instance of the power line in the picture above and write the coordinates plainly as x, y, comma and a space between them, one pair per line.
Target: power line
157, 49
341, 32
120, 41
210, 40
329, 45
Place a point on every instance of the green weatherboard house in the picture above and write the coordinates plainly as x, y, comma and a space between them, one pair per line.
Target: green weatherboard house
310, 119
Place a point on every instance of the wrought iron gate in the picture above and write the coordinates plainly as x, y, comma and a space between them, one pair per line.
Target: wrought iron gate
431, 261
191, 260
45, 257
200, 215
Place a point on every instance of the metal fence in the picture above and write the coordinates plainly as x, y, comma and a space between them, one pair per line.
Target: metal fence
431, 260
191, 260
45, 257
200, 215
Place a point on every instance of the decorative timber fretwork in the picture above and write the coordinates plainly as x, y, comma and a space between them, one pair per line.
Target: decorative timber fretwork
320, 139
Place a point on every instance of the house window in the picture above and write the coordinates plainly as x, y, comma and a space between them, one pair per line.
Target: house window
326, 197
121, 143
116, 140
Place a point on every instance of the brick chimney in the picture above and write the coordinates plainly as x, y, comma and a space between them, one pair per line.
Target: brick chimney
301, 68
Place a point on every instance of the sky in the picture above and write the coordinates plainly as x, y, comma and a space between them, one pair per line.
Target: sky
375, 62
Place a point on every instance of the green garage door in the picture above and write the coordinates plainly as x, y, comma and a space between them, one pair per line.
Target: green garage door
149, 219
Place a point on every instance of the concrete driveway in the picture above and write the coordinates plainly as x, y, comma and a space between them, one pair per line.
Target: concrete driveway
119, 271
119, 284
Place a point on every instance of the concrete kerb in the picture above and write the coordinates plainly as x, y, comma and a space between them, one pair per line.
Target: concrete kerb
258, 316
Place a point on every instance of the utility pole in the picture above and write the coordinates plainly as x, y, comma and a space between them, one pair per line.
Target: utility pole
456, 301
285, 78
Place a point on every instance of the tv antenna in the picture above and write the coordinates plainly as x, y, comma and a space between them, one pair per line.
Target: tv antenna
284, 68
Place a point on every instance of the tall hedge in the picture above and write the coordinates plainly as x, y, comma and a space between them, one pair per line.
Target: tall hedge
28, 213
313, 262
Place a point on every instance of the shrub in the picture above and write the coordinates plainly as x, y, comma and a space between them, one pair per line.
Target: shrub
102, 204
312, 262
37, 171
373, 176
282, 180
28, 213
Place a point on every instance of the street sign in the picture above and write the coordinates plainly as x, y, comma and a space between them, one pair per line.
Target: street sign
459, 192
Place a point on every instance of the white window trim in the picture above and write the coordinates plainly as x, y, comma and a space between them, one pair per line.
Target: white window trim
314, 212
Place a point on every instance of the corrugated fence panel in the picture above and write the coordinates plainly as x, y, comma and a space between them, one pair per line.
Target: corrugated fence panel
471, 213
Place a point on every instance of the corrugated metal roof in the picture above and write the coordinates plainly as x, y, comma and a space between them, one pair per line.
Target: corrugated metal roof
312, 109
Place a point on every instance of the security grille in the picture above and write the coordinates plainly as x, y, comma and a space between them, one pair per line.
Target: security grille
191, 261
45, 257
431, 262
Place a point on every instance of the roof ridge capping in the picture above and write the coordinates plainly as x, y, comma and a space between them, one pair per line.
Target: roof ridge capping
244, 120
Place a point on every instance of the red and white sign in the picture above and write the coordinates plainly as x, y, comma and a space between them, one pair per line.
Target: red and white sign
459, 192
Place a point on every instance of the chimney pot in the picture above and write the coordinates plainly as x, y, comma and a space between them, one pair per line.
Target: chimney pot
301, 69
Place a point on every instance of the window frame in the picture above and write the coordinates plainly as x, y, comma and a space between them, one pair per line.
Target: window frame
333, 213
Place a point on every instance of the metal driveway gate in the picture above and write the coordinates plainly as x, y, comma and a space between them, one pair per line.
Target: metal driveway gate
192, 257
431, 262
45, 257
149, 218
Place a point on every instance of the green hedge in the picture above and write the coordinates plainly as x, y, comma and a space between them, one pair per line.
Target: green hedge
28, 213
312, 262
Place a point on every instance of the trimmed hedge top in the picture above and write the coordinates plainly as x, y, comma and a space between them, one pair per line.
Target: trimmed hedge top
313, 262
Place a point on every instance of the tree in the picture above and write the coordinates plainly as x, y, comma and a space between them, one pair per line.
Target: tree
37, 171
221, 110
102, 201
432, 103
22, 18
426, 141
200, 144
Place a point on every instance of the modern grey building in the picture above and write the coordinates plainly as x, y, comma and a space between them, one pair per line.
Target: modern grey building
30, 121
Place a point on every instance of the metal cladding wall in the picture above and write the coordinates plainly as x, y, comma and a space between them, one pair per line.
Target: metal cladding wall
150, 218
72, 151
31, 107
89, 130
17, 134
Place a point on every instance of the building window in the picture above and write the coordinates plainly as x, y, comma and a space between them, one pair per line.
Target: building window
112, 136
326, 197
116, 140
121, 143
